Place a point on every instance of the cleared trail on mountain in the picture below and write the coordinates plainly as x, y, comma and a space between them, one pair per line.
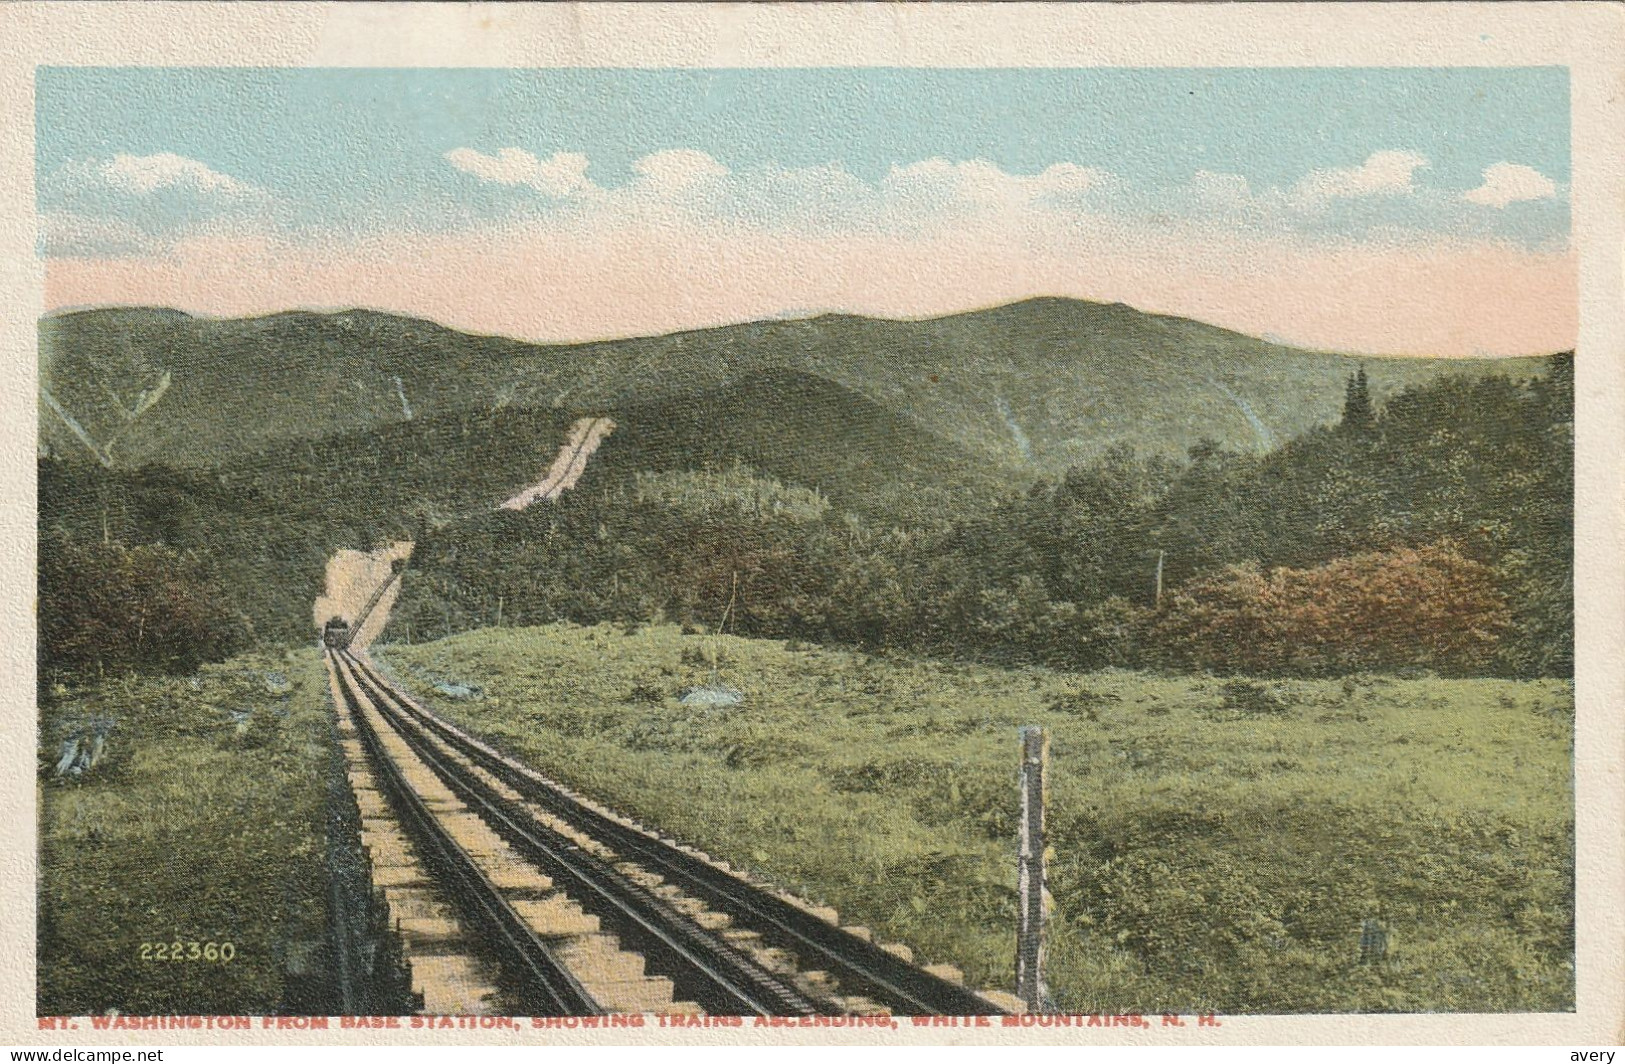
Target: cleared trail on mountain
584, 437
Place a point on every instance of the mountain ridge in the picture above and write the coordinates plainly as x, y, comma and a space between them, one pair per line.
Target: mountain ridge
362, 311
1036, 385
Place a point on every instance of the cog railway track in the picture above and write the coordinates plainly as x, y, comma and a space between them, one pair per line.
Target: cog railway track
648, 924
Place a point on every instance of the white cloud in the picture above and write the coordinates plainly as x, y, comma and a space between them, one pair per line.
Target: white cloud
562, 174
689, 189
982, 184
670, 179
1506, 183
67, 233
128, 203
687, 186
1384, 173
1219, 189
682, 184
145, 174
670, 171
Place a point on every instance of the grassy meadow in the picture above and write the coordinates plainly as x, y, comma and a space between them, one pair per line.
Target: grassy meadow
1219, 844
203, 822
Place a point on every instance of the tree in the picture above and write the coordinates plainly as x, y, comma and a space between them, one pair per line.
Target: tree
108, 608
1357, 413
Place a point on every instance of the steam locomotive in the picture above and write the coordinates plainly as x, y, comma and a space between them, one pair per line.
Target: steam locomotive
336, 635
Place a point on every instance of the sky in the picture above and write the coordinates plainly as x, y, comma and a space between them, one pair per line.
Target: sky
1391, 211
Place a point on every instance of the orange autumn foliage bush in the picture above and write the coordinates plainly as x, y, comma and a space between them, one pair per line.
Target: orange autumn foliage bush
1411, 607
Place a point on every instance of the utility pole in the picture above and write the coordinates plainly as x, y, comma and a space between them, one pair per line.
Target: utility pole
1159, 579
1033, 898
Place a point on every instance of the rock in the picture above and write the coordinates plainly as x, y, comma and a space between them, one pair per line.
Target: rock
456, 690
713, 695
70, 754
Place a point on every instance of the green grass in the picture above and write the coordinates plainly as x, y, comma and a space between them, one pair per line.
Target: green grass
189, 829
1218, 844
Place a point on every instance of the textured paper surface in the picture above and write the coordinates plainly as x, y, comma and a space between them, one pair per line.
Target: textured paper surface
1588, 39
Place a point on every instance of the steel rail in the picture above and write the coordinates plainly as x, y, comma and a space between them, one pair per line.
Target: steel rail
703, 965
542, 984
859, 965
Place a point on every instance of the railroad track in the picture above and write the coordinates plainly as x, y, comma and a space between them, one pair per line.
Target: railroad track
727, 945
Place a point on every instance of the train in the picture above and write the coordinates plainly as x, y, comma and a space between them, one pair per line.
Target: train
336, 634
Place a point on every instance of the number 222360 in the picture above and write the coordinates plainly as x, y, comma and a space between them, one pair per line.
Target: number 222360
207, 952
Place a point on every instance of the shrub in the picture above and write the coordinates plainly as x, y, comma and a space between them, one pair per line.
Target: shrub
108, 608
1110, 634
1409, 608
1241, 696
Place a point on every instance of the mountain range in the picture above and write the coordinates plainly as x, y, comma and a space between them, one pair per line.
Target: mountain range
997, 395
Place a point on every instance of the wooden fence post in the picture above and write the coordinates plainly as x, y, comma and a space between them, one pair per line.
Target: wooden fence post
1030, 870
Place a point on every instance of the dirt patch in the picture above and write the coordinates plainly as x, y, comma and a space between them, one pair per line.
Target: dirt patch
352, 577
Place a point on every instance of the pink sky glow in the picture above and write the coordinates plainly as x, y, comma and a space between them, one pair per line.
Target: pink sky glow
1440, 298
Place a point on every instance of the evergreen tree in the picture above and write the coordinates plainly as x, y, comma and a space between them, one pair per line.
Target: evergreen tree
1357, 413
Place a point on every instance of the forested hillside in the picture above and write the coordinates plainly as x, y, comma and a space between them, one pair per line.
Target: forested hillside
1431, 532
1418, 526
